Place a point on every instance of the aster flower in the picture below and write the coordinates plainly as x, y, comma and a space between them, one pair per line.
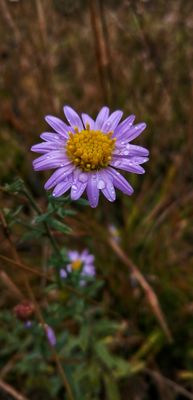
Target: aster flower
86, 154
83, 262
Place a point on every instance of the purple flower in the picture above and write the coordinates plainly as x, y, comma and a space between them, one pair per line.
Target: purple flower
50, 335
79, 261
86, 154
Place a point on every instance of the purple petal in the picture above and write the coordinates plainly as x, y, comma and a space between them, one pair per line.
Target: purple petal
77, 190
52, 137
140, 160
73, 118
45, 147
79, 184
124, 126
84, 254
63, 273
88, 120
58, 125
89, 259
53, 159
130, 150
135, 131
120, 182
58, 176
108, 190
89, 270
101, 117
50, 335
92, 190
111, 123
62, 187
127, 165
73, 255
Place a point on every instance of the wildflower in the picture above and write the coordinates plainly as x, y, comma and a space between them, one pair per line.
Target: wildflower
83, 262
86, 154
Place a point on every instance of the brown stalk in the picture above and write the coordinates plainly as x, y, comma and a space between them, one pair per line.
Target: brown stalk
149, 292
10, 21
9, 389
100, 50
107, 44
173, 385
47, 69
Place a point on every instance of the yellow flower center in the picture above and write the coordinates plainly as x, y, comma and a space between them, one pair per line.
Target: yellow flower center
76, 265
89, 149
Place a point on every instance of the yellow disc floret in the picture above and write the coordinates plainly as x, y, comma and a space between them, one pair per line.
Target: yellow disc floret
89, 149
76, 265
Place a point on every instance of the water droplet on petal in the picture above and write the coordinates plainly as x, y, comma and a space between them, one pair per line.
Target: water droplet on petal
74, 187
117, 163
100, 184
83, 177
125, 153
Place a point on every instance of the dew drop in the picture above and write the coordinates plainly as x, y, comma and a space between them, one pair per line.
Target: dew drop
82, 177
117, 163
100, 184
74, 187
125, 153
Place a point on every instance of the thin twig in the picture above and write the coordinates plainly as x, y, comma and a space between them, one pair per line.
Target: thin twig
107, 44
9, 389
10, 21
173, 385
150, 294
101, 57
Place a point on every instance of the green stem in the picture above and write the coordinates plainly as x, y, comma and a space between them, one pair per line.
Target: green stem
47, 230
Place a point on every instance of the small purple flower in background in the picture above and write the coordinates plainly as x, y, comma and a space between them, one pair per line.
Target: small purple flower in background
86, 154
83, 262
50, 335
28, 324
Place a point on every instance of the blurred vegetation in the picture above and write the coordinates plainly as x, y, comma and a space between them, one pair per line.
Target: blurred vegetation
117, 337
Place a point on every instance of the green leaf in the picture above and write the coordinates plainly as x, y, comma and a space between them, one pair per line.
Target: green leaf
15, 187
111, 388
59, 226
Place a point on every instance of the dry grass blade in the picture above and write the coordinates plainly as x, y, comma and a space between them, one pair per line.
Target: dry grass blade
173, 385
10, 390
150, 294
101, 56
